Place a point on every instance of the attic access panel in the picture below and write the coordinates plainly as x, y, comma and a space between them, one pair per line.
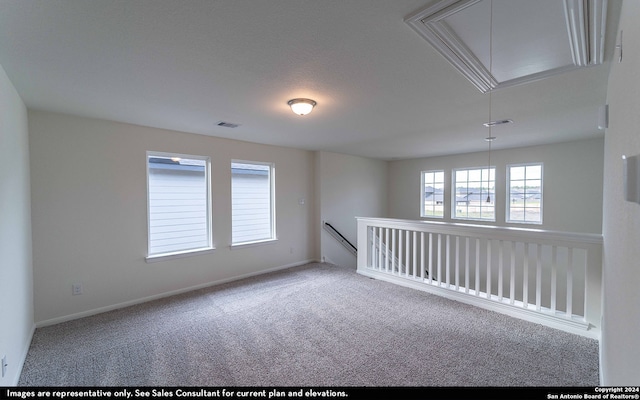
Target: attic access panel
530, 40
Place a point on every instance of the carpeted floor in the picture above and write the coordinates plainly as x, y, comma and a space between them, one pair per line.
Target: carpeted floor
314, 325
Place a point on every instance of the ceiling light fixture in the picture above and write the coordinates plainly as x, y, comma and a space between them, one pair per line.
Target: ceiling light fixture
301, 106
495, 123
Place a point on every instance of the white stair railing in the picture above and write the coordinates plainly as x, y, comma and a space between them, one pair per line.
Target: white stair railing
547, 277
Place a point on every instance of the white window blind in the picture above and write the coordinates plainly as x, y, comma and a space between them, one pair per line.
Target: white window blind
178, 194
252, 202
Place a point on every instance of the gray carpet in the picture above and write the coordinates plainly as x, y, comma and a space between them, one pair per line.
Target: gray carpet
314, 325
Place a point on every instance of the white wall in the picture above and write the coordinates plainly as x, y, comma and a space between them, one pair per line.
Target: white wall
90, 214
348, 187
16, 294
620, 344
572, 183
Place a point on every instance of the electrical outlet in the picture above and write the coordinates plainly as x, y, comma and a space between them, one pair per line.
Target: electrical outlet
4, 365
76, 289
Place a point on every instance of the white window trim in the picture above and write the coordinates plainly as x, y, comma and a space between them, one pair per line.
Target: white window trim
453, 193
253, 243
179, 254
182, 253
508, 194
422, 199
272, 194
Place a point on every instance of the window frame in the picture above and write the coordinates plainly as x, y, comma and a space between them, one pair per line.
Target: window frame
508, 194
152, 257
454, 184
272, 199
423, 174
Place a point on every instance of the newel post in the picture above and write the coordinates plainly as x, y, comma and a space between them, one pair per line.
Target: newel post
593, 286
363, 243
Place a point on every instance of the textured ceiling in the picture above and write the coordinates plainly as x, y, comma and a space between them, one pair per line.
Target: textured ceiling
382, 90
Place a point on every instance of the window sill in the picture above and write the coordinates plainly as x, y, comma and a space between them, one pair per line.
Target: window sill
252, 244
474, 220
525, 222
178, 254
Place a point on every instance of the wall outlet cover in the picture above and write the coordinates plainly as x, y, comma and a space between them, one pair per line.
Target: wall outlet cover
76, 289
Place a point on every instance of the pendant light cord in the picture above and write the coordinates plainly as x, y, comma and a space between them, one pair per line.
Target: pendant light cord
490, 138
490, 60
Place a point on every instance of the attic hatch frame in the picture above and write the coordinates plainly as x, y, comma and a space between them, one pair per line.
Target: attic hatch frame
585, 22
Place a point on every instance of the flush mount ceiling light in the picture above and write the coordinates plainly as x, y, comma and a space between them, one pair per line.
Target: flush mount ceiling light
301, 106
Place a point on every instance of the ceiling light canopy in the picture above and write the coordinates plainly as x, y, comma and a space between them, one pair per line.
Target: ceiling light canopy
301, 106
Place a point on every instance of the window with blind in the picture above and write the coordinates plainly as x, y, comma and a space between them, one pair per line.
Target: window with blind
179, 212
252, 202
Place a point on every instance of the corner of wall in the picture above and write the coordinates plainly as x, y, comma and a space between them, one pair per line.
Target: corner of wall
16, 255
620, 348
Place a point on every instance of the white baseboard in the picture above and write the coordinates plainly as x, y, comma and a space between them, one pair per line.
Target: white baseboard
23, 357
527, 315
88, 313
327, 260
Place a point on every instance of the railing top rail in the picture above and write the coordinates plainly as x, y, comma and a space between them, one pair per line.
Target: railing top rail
488, 231
341, 237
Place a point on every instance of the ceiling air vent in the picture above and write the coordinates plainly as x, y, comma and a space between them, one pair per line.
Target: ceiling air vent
496, 123
227, 124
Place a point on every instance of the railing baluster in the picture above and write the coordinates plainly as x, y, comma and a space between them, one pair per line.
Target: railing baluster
525, 277
512, 275
375, 248
466, 265
457, 262
585, 288
554, 266
500, 255
430, 258
538, 277
422, 255
400, 250
414, 252
386, 241
447, 257
477, 287
377, 234
439, 262
393, 250
488, 294
570, 283
370, 245
407, 254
